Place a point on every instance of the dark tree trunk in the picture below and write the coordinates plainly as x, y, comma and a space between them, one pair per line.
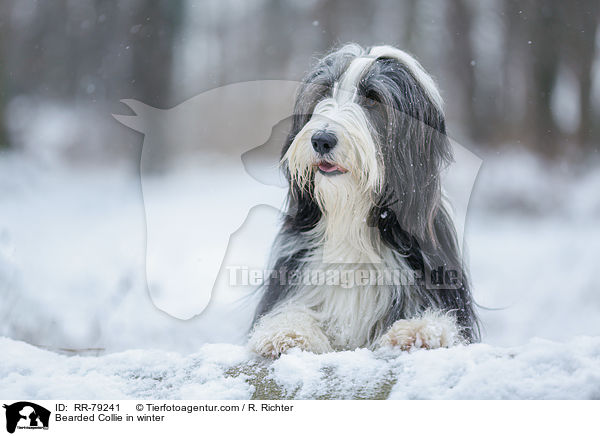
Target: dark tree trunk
3, 70
155, 27
459, 21
544, 60
581, 48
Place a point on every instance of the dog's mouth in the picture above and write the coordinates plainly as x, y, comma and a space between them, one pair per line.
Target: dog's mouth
330, 169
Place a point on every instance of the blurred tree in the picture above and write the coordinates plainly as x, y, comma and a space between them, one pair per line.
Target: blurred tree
95, 52
3, 71
328, 13
409, 13
541, 38
345, 21
155, 25
580, 46
544, 60
513, 99
276, 38
459, 18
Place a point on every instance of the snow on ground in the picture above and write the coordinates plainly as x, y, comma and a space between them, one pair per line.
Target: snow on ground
72, 253
537, 370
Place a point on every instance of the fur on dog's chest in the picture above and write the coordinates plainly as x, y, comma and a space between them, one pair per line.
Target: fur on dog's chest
350, 300
351, 316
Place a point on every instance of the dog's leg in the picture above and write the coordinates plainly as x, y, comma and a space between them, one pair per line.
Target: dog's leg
276, 333
431, 330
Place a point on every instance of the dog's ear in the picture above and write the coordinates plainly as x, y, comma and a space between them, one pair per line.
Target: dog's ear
414, 148
413, 161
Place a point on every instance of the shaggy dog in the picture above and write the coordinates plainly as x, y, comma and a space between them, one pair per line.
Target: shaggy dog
367, 254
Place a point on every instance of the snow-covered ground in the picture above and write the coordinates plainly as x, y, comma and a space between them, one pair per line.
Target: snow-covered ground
537, 370
72, 255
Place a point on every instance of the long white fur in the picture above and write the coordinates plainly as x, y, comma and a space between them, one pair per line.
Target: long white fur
356, 150
343, 238
346, 89
319, 317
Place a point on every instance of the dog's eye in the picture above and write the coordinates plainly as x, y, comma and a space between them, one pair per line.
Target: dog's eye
370, 100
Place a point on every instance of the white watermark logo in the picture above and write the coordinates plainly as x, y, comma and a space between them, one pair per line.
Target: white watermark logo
211, 181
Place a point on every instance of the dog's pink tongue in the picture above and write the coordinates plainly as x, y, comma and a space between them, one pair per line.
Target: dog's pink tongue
327, 167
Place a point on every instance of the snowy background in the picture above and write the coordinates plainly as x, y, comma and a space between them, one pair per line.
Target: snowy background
72, 246
521, 84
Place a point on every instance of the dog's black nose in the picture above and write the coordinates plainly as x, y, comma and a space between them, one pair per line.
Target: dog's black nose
323, 141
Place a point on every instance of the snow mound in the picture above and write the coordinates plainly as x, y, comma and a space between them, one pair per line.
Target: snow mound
540, 369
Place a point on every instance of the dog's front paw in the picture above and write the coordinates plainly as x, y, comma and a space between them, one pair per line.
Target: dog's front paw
284, 340
276, 334
432, 330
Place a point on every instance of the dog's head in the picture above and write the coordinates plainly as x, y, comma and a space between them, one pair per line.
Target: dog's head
368, 134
